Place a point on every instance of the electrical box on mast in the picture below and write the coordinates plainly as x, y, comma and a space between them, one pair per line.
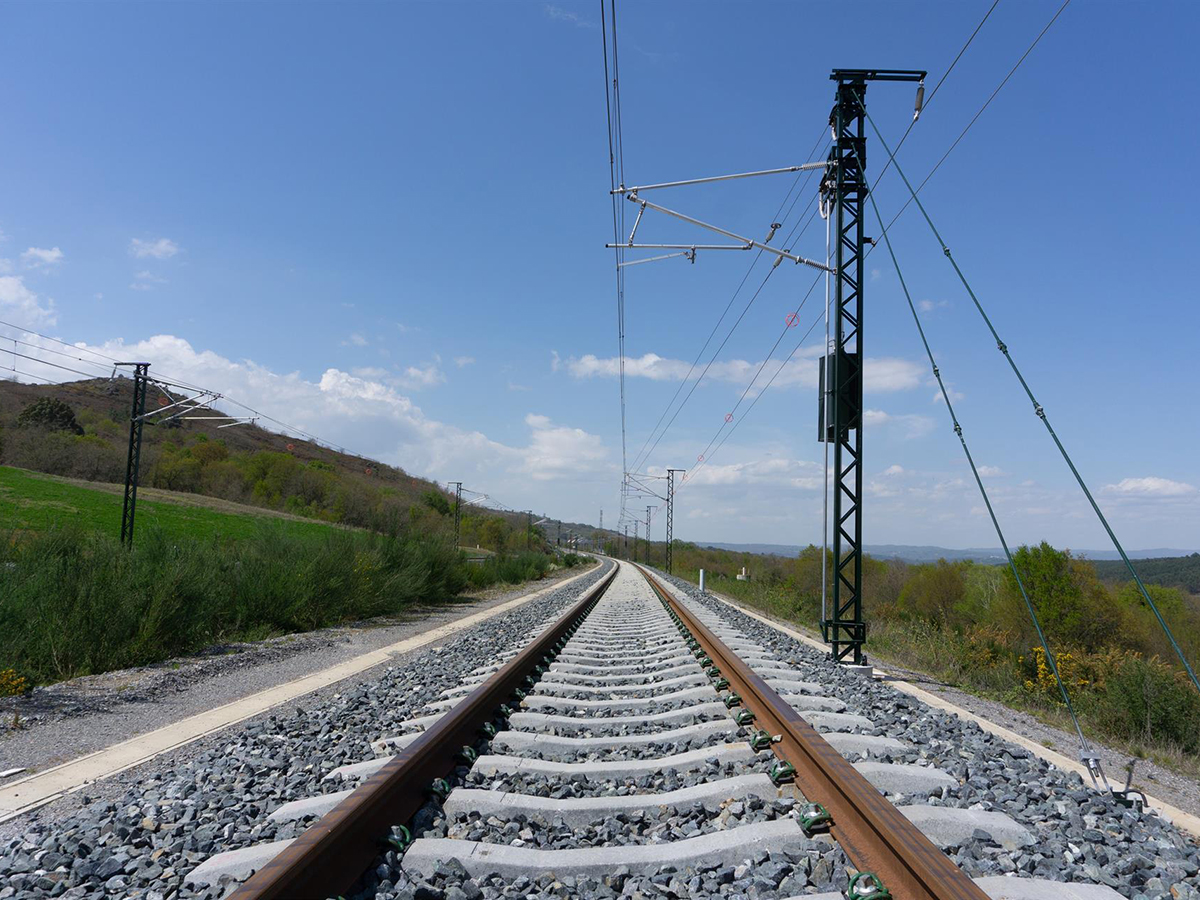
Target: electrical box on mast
844, 405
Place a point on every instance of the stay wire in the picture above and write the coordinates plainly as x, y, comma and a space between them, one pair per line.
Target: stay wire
1039, 411
1085, 750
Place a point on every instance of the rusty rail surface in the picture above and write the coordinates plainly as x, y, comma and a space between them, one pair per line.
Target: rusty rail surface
331, 855
874, 834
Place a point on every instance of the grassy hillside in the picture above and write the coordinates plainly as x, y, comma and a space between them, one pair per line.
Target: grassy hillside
31, 501
87, 435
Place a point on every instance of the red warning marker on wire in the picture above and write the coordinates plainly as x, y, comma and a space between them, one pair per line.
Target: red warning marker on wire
728, 417
291, 447
700, 458
791, 319
162, 401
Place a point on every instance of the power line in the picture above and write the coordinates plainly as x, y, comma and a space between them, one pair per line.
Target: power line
644, 454
974, 119
941, 81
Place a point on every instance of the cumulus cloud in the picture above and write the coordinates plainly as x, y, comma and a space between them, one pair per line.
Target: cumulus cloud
355, 340
910, 426
882, 374
158, 248
991, 472
416, 377
146, 281
1150, 486
556, 451
372, 416
19, 302
463, 361
39, 258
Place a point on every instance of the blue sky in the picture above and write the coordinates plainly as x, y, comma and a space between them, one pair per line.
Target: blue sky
385, 222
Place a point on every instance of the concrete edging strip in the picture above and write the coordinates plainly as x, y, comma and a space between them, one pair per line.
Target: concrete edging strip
41, 788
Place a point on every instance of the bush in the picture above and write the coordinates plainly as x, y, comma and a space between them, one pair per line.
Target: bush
49, 413
1149, 702
162, 598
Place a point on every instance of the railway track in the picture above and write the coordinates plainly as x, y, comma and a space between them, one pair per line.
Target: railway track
642, 744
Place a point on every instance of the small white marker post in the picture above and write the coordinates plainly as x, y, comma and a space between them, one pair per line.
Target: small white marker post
702, 581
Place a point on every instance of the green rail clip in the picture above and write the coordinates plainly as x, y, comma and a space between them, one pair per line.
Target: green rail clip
782, 772
815, 819
488, 730
761, 740
867, 886
400, 841
732, 700
440, 788
744, 717
467, 754
721, 684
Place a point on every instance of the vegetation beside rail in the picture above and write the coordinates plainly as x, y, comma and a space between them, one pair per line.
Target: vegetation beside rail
965, 624
74, 602
77, 603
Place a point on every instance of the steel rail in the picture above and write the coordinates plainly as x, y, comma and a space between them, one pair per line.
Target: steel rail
874, 834
334, 852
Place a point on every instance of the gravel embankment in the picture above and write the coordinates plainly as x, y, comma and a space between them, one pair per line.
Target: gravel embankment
137, 835
1082, 835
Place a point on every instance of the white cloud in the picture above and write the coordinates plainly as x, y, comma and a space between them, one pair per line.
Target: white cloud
146, 281
1150, 486
21, 303
159, 248
462, 361
513, 386
38, 257
563, 15
881, 375
355, 340
416, 377
6, 266
893, 470
374, 418
370, 372
555, 451
927, 306
991, 472
911, 426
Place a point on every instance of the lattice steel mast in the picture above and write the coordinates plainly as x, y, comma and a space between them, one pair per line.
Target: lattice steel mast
844, 190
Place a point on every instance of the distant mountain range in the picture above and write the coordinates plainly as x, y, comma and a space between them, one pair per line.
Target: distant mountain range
932, 554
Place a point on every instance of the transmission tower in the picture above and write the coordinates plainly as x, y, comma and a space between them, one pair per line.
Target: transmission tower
670, 514
635, 539
137, 419
457, 510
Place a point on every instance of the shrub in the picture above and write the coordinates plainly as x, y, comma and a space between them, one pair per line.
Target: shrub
49, 413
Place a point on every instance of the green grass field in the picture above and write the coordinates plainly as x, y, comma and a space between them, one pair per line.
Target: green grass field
33, 502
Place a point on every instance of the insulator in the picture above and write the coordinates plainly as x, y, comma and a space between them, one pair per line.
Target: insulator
920, 101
